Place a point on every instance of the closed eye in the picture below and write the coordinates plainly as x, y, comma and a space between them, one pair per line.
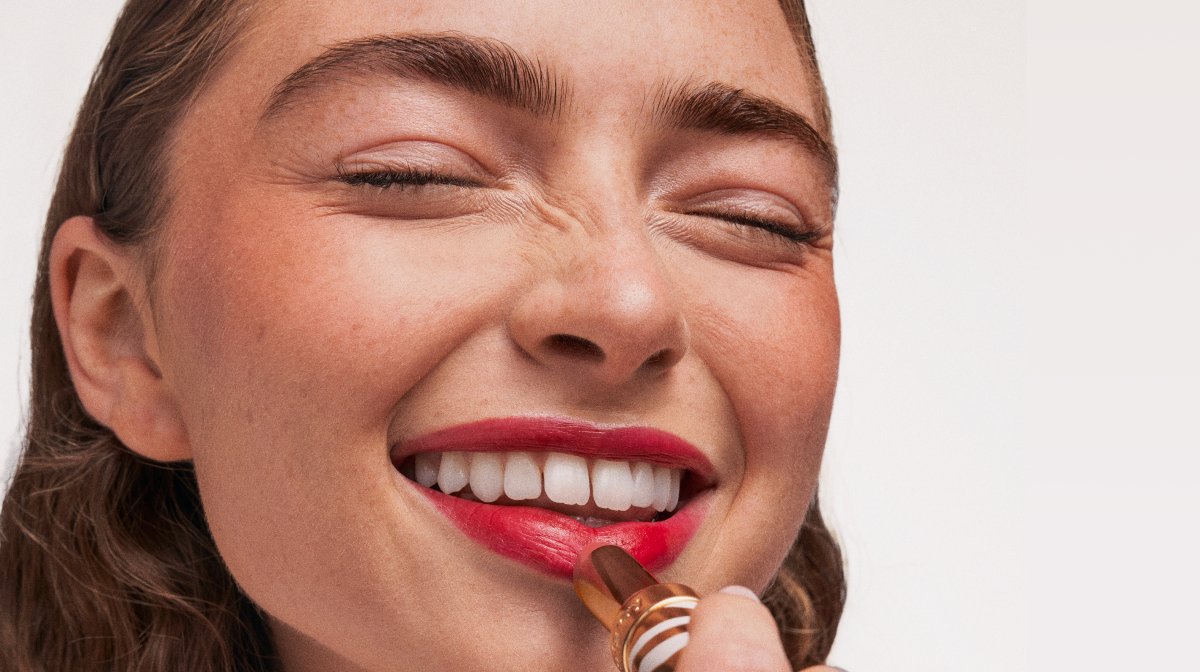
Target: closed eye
402, 179
800, 237
409, 193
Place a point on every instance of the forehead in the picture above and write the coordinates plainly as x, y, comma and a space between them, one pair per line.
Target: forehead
618, 49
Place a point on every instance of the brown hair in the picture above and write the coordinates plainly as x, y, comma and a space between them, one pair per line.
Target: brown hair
106, 561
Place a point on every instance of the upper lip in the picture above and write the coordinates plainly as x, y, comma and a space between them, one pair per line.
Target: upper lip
564, 435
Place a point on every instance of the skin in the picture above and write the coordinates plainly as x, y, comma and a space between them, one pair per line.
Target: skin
299, 327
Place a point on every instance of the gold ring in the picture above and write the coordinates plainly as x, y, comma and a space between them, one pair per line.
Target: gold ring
651, 629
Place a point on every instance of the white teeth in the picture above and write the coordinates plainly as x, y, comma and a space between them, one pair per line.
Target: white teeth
522, 478
612, 485
662, 488
487, 476
427, 468
566, 478
643, 485
452, 473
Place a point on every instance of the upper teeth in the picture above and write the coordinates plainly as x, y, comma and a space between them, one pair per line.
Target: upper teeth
519, 476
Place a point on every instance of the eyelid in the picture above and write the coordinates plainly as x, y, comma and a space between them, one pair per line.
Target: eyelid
751, 196
445, 164
750, 207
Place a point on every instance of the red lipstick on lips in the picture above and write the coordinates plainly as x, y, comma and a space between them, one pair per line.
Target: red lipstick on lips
550, 541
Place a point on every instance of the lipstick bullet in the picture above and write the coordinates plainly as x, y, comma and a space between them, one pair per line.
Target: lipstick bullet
648, 620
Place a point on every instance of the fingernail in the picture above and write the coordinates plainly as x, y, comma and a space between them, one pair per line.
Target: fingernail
740, 590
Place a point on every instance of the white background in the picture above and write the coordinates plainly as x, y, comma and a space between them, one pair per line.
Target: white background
1014, 450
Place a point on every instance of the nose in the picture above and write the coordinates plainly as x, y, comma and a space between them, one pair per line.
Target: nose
608, 315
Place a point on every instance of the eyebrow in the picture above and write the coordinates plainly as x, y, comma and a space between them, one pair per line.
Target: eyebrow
493, 69
476, 65
727, 110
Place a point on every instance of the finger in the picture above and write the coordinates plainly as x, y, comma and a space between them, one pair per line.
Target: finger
731, 630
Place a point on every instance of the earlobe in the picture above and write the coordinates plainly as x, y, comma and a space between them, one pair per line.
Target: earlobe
109, 341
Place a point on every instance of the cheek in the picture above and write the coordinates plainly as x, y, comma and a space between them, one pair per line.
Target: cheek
772, 341
289, 347
322, 310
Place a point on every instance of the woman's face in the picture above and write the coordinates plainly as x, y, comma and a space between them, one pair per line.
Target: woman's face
485, 242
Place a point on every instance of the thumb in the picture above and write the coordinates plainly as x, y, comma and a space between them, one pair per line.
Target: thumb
732, 630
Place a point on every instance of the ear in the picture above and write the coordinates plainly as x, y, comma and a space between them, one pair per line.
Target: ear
110, 343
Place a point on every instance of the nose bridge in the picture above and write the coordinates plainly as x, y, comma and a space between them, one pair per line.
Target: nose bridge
607, 309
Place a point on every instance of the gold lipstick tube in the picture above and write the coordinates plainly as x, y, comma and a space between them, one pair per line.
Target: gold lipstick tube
648, 620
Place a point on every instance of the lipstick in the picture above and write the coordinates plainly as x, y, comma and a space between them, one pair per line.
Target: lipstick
543, 534
648, 620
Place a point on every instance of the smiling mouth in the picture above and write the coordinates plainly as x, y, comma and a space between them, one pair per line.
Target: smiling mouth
538, 489
595, 492
598, 476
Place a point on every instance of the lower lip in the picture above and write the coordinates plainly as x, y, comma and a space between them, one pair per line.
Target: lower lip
551, 542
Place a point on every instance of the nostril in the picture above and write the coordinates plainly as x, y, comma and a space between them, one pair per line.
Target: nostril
576, 346
657, 359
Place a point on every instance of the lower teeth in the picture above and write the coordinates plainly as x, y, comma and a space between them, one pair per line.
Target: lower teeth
592, 522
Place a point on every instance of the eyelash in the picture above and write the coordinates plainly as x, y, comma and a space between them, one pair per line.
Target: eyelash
770, 226
385, 179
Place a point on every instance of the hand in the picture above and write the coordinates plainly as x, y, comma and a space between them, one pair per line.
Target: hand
731, 631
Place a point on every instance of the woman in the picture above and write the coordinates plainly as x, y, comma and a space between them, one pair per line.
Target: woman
355, 322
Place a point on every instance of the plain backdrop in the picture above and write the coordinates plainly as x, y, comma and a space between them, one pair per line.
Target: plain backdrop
1012, 463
